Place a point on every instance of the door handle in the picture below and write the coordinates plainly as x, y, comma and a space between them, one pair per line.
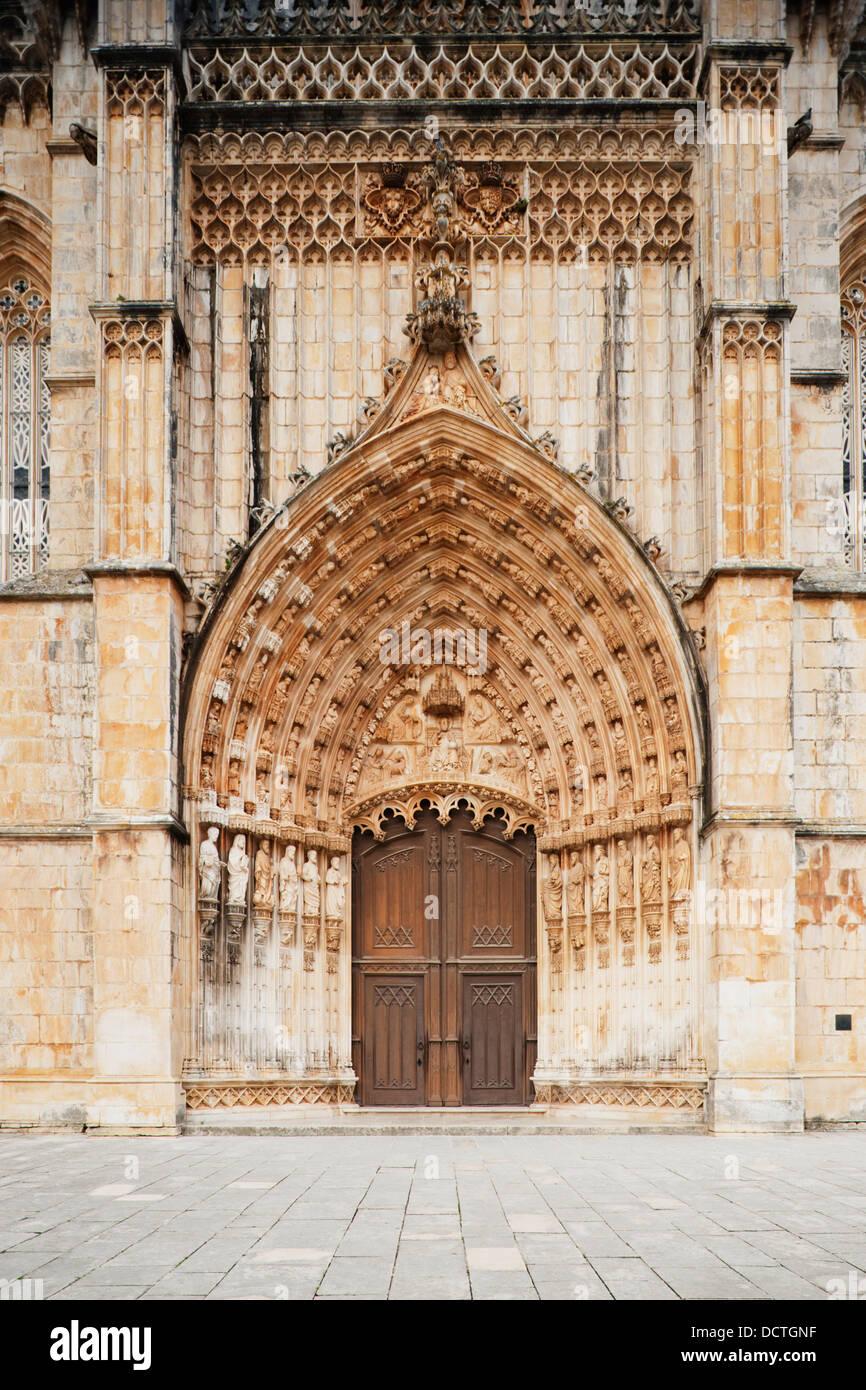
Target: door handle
420, 1050
465, 1052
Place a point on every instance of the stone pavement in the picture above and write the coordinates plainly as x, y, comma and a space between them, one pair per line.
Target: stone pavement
435, 1217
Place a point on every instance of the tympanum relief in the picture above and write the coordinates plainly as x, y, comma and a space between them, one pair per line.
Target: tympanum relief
444, 732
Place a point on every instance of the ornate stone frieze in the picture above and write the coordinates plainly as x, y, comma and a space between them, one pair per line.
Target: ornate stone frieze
218, 1094
624, 195
621, 70
331, 19
640, 1095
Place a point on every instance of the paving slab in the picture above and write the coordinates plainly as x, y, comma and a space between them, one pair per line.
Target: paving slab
482, 1216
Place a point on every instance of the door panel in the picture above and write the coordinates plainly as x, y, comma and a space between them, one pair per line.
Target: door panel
492, 1040
443, 927
394, 1055
492, 898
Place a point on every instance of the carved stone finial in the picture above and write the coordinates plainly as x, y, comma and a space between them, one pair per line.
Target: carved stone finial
441, 319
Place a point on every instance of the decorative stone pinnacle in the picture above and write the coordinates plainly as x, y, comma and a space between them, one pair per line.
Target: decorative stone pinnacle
441, 319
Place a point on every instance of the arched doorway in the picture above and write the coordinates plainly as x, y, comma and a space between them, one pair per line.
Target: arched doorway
318, 705
443, 963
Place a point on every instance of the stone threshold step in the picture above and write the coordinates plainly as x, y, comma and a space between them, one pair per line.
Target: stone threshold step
429, 1120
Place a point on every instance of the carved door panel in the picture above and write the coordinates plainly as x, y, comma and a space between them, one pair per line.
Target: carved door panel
433, 909
394, 1052
492, 1040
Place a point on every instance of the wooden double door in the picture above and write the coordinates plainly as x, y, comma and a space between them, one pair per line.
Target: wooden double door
443, 968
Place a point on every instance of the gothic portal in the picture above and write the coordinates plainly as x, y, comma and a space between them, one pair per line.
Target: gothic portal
432, 473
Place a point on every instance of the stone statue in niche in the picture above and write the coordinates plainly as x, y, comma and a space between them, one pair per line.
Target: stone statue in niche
551, 894
576, 882
680, 868
312, 885
679, 769
600, 880
263, 877
624, 874
651, 780
239, 871
288, 881
651, 873
209, 866
335, 891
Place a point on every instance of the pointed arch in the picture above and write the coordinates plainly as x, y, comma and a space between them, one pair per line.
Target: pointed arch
587, 653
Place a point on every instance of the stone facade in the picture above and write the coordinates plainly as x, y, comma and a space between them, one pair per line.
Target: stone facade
540, 326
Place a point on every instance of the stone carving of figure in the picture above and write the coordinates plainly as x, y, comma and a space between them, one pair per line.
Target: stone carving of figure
209, 865
483, 723
406, 725
601, 790
576, 880
397, 763
376, 765
443, 758
455, 387
312, 884
335, 892
551, 896
624, 874
263, 886
239, 869
510, 766
651, 873
680, 769
485, 762
600, 880
680, 873
652, 778
288, 876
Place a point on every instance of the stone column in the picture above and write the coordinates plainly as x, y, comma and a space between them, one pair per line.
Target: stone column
141, 967
748, 838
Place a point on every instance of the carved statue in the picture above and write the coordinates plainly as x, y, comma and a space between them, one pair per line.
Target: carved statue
263, 885
651, 781
576, 881
239, 870
551, 896
209, 865
483, 721
679, 770
651, 873
624, 874
335, 892
288, 877
680, 871
600, 880
312, 884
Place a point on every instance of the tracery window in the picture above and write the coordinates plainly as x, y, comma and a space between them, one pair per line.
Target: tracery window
854, 422
24, 418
